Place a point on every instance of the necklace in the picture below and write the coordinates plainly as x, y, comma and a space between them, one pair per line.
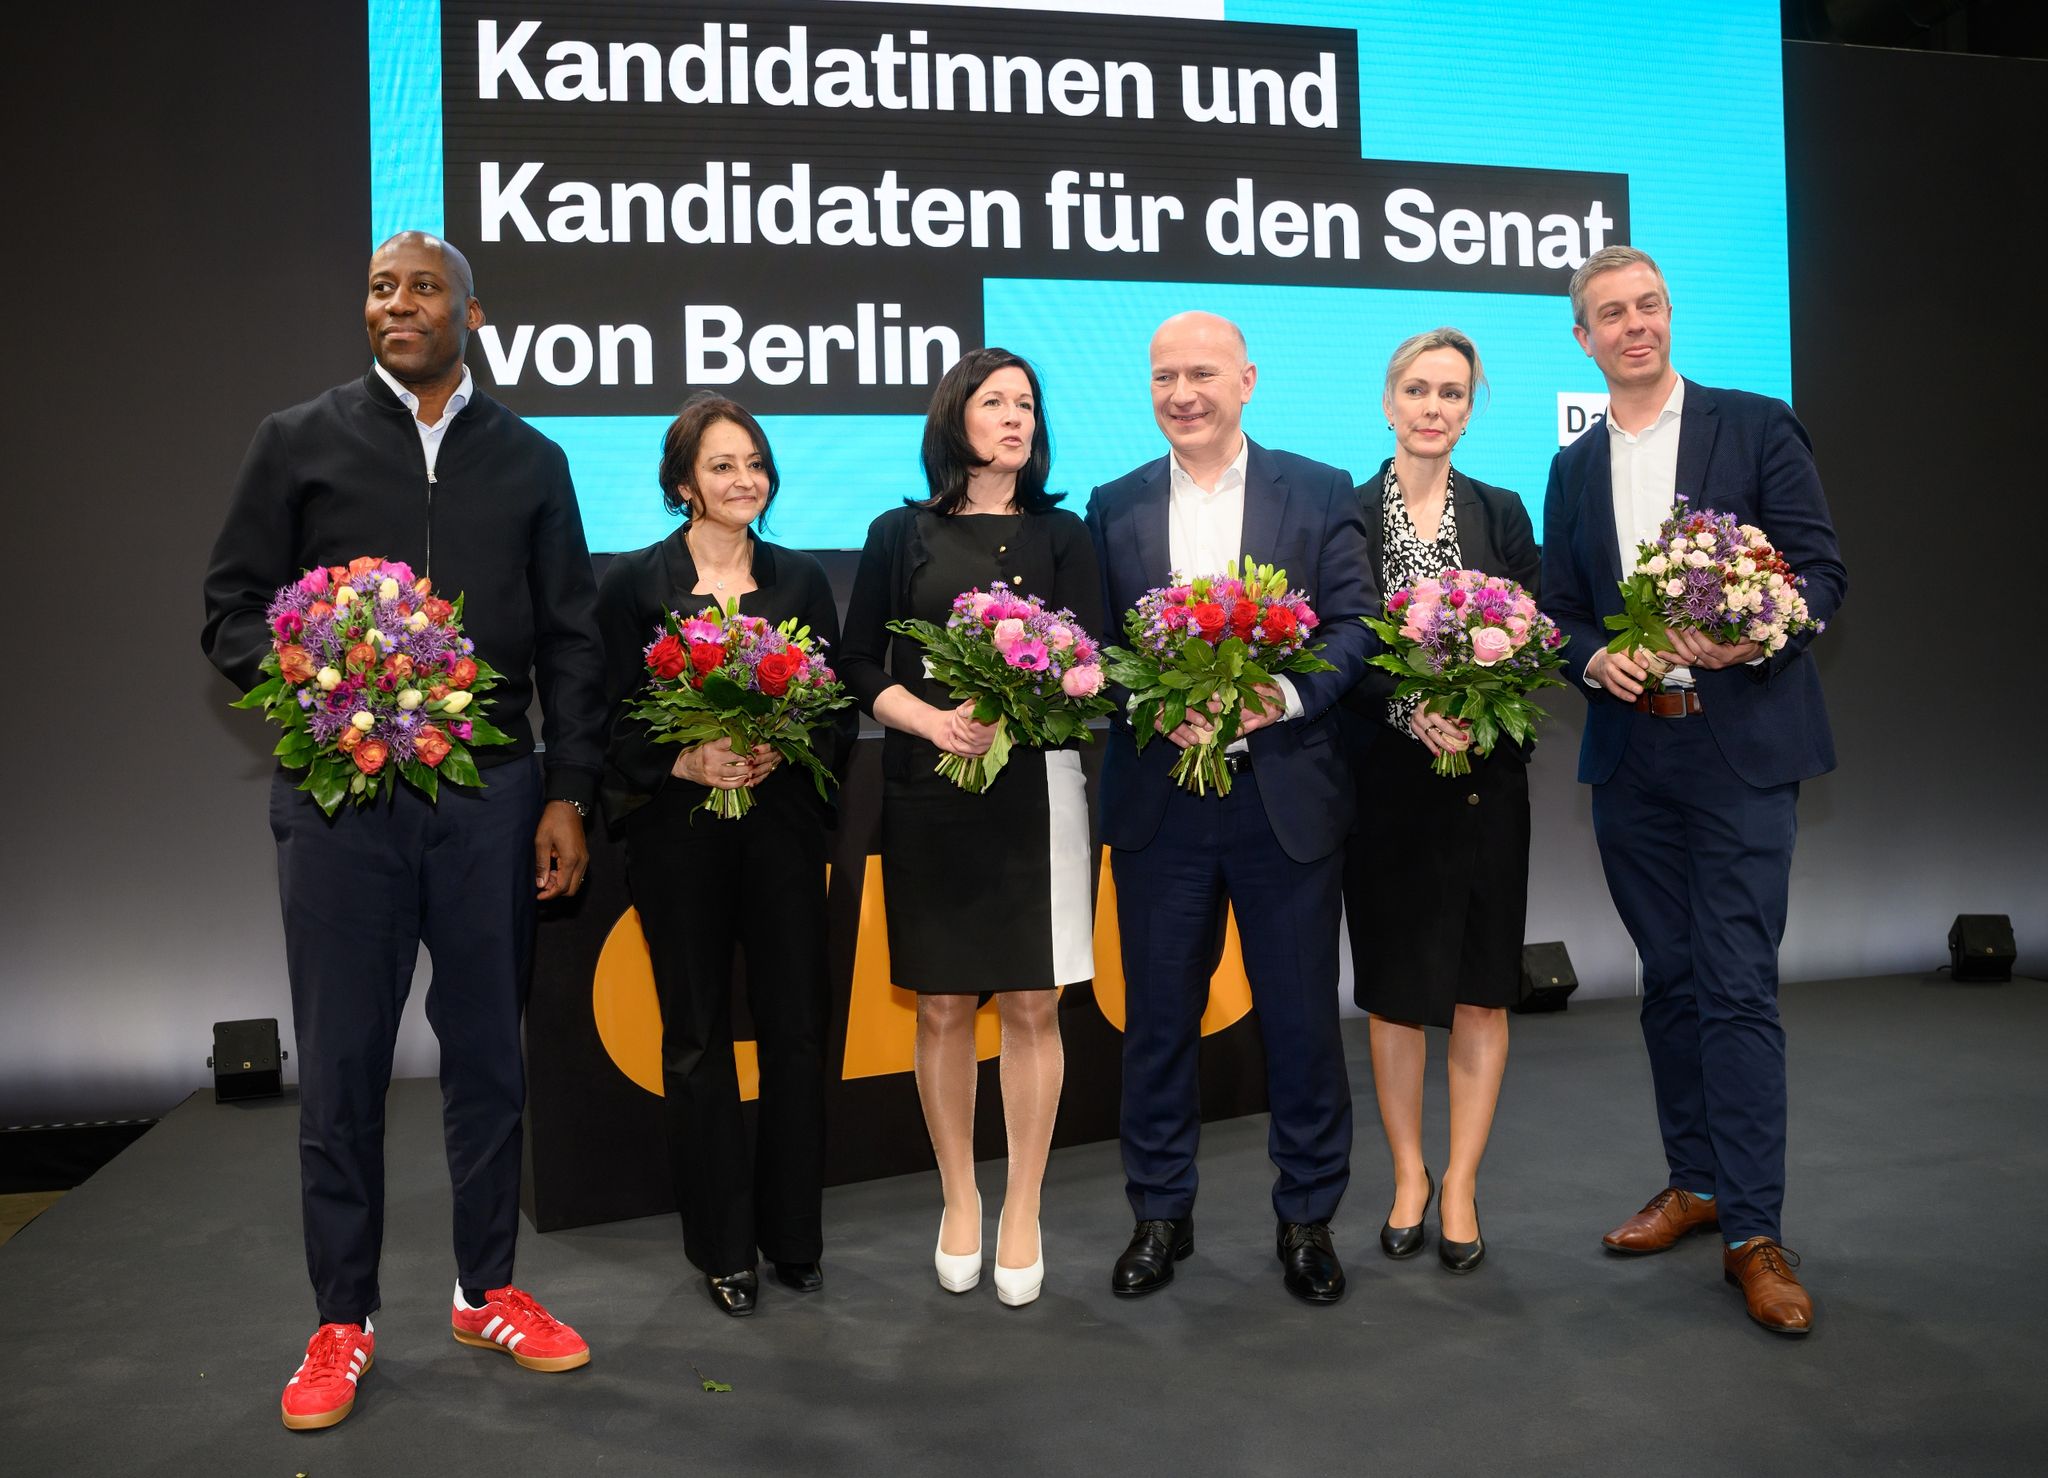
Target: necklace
717, 580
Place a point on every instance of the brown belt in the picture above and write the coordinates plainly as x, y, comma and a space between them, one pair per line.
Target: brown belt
1668, 703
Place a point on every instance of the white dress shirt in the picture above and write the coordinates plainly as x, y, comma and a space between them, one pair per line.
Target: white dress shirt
1205, 531
430, 436
1644, 468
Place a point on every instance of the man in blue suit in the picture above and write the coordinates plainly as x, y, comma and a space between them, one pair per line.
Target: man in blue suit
1273, 845
1695, 771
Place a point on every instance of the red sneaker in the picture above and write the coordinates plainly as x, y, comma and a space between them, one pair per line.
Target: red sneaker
511, 1321
323, 1390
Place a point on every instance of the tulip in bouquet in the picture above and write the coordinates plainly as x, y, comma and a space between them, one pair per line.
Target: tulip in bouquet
1030, 671
721, 675
1473, 646
1707, 572
371, 678
1202, 646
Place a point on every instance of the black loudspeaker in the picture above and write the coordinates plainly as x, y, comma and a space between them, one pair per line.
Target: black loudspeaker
247, 1061
1547, 978
1980, 947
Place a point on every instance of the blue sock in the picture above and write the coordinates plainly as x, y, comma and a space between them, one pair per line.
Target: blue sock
1701, 1195
1738, 1246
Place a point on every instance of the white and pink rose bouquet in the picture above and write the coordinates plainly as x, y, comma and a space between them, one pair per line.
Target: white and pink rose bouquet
1203, 646
1031, 671
1708, 572
372, 680
1472, 646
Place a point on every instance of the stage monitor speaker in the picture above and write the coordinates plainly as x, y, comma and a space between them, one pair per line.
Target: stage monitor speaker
1980, 947
1547, 978
247, 1061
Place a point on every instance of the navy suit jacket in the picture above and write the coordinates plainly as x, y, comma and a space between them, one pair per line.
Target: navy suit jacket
1301, 516
1737, 453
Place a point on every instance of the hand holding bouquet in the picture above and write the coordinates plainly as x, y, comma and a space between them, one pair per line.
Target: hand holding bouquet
1203, 647
371, 678
1705, 572
721, 675
1473, 646
1031, 672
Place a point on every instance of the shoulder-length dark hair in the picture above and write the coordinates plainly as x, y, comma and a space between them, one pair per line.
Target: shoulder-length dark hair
685, 435
948, 457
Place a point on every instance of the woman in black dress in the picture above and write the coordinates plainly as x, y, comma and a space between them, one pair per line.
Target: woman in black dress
987, 893
1436, 879
704, 886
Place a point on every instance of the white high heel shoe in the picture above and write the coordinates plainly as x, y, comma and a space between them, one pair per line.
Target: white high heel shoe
1019, 1286
959, 1271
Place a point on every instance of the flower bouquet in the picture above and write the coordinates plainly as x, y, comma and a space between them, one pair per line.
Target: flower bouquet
371, 678
721, 675
1032, 672
1709, 573
1202, 645
1473, 646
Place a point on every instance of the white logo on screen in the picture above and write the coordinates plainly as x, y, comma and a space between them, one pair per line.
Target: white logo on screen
1575, 412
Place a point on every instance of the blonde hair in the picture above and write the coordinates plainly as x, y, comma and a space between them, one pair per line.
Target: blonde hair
1413, 348
1610, 259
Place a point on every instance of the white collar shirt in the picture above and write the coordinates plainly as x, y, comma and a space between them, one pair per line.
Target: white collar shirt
1644, 468
430, 435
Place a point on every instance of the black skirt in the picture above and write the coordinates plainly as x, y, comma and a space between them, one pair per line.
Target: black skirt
1436, 882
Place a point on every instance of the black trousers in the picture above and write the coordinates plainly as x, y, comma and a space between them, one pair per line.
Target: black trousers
705, 888
361, 893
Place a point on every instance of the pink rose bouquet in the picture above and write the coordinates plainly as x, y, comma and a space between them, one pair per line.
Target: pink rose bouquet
721, 675
373, 682
1203, 645
1031, 671
1710, 573
1473, 646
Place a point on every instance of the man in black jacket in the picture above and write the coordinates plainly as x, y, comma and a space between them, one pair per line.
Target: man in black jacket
411, 463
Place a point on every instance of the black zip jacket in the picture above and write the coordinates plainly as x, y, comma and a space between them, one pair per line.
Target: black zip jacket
344, 475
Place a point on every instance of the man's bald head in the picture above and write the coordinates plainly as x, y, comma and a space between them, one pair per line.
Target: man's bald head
460, 277
1202, 377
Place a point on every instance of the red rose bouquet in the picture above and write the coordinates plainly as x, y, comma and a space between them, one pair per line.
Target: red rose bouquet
372, 680
721, 675
1031, 671
1472, 646
1203, 645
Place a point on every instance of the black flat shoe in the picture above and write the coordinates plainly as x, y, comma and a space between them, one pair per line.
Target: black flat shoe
804, 1277
1400, 1242
1146, 1265
1308, 1263
734, 1293
1460, 1257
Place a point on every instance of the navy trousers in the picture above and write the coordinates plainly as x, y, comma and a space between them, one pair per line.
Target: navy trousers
1699, 862
1171, 896
361, 893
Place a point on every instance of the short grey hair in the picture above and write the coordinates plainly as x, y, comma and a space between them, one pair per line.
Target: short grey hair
1414, 347
1610, 259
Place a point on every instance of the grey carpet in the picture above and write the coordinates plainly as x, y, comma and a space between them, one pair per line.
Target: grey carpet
149, 1319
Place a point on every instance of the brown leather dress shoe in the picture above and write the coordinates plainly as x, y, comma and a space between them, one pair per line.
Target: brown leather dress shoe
1671, 1214
1763, 1271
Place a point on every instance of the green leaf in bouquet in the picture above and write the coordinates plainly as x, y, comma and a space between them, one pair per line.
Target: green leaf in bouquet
483, 731
458, 768
261, 694
327, 781
1418, 662
422, 777
1307, 662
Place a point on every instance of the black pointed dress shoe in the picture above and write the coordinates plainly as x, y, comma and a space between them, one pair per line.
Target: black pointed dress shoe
1308, 1263
1400, 1242
804, 1277
734, 1293
1146, 1266
1461, 1257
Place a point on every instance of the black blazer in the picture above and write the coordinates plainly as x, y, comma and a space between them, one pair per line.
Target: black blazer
1052, 559
637, 589
1494, 535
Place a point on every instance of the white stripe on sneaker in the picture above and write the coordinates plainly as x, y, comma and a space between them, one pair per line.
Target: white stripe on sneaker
506, 1333
492, 1327
352, 1377
513, 1343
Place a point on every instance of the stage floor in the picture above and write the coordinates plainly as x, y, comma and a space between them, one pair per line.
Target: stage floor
148, 1320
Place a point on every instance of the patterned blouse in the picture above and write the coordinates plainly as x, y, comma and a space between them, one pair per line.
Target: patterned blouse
1408, 558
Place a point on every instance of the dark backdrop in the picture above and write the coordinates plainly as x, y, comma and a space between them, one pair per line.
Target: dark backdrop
191, 191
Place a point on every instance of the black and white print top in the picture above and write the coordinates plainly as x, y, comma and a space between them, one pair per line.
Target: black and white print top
1409, 557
